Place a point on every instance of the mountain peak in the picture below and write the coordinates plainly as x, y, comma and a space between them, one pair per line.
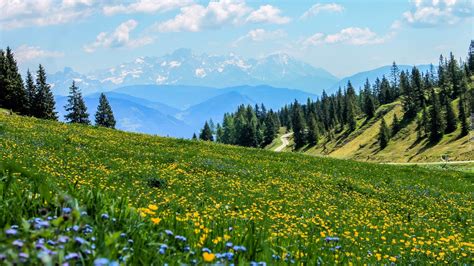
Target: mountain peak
182, 53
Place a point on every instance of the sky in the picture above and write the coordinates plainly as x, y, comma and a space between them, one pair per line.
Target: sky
343, 37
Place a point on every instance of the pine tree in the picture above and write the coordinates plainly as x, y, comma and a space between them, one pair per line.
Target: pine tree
384, 134
219, 133
395, 79
30, 93
395, 125
463, 115
44, 100
12, 91
271, 130
313, 132
76, 107
436, 120
369, 103
451, 120
206, 133
194, 137
104, 116
228, 136
299, 126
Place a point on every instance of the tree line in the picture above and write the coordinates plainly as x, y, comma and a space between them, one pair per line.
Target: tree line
426, 97
33, 97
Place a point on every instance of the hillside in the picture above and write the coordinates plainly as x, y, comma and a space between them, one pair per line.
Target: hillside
114, 194
362, 144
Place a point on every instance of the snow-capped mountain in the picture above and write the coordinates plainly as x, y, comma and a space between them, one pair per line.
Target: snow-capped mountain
183, 67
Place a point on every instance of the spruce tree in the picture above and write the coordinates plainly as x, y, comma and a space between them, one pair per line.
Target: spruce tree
271, 130
436, 120
30, 93
451, 120
395, 125
76, 107
44, 100
463, 115
206, 133
12, 91
369, 103
299, 126
425, 122
104, 116
313, 132
228, 136
194, 137
384, 134
219, 133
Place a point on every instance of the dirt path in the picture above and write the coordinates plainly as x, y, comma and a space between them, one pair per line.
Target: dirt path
285, 142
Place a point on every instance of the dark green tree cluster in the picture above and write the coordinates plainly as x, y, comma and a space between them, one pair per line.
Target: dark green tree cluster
33, 98
249, 127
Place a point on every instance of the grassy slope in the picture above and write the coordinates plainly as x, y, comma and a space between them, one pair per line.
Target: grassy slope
275, 203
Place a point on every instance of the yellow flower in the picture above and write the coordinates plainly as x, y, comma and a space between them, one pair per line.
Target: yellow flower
156, 220
153, 207
393, 259
208, 257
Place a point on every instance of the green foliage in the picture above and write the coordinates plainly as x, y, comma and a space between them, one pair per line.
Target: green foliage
76, 107
436, 121
104, 116
44, 100
206, 133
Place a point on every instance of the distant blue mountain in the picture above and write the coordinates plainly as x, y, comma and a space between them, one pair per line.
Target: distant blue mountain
183, 67
134, 117
358, 79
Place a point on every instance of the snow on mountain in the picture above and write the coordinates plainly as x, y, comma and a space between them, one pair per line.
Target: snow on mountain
183, 67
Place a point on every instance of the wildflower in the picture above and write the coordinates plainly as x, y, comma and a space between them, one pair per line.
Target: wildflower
23, 257
71, 256
156, 220
105, 216
79, 240
228, 245
2, 257
208, 257
101, 262
66, 210
206, 250
240, 249
181, 238
63, 239
84, 213
123, 235
11, 232
18, 243
152, 207
169, 232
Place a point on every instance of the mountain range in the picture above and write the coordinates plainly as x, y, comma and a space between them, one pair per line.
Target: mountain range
173, 95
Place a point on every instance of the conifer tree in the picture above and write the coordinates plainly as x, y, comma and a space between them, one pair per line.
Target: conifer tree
206, 133
436, 120
104, 116
30, 93
76, 107
395, 78
463, 115
219, 133
369, 104
228, 136
384, 134
451, 120
395, 125
425, 122
12, 91
271, 129
313, 131
44, 100
194, 137
299, 126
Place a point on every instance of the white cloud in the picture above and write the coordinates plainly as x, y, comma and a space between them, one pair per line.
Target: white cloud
220, 13
351, 36
268, 14
430, 13
27, 13
26, 53
260, 35
120, 37
145, 6
200, 72
317, 8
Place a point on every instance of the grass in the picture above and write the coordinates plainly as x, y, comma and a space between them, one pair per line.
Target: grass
119, 193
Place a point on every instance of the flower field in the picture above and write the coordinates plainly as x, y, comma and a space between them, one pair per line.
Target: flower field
123, 198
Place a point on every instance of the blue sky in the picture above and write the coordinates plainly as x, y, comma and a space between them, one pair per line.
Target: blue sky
343, 37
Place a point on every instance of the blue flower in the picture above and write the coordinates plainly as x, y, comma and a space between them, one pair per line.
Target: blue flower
63, 239
206, 250
17, 243
123, 235
84, 213
101, 262
2, 257
240, 249
71, 256
169, 232
181, 238
105, 216
75, 228
229, 244
11, 232
23, 257
14, 227
162, 251
79, 240
67, 210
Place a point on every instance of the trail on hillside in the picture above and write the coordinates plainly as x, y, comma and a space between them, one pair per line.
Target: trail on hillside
285, 142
